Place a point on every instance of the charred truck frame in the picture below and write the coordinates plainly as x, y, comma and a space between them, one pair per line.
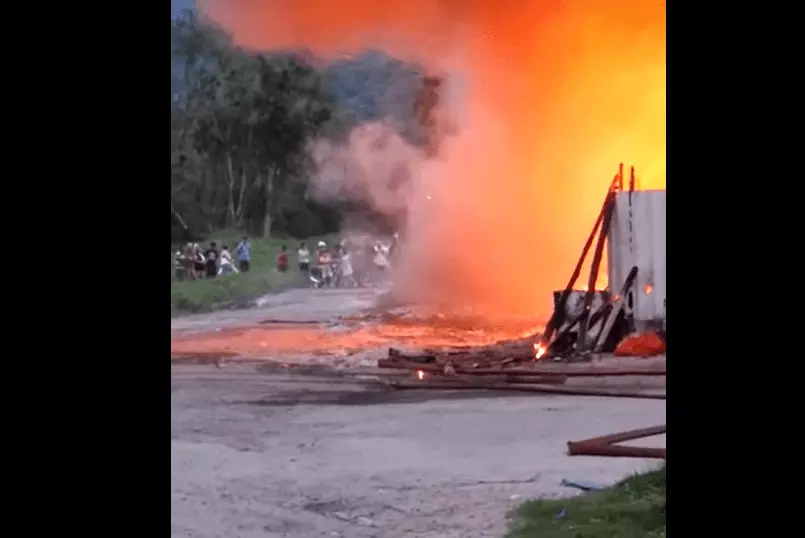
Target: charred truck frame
632, 226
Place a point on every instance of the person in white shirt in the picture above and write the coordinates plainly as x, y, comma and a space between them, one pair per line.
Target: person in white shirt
226, 266
179, 265
346, 268
303, 257
381, 263
324, 264
381, 259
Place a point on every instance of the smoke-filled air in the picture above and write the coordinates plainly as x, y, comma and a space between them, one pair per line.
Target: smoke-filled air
544, 99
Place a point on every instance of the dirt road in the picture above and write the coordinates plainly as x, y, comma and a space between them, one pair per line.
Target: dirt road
294, 304
255, 452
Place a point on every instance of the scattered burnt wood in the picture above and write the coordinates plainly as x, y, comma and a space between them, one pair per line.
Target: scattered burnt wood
558, 317
565, 341
461, 384
622, 437
618, 451
534, 371
607, 339
201, 357
273, 321
424, 358
493, 368
495, 355
606, 445
585, 322
176, 355
508, 377
524, 387
435, 378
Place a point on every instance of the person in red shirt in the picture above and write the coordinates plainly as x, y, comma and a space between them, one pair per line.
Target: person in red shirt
282, 260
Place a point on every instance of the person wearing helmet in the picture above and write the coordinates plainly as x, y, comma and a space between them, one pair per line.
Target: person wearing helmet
179, 266
324, 260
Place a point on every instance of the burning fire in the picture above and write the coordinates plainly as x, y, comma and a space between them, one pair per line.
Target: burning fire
600, 284
648, 288
551, 95
539, 350
436, 332
420, 375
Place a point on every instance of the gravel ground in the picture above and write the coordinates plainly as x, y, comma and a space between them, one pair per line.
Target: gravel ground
256, 452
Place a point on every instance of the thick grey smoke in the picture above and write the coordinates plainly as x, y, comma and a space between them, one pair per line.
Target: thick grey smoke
434, 192
375, 165
382, 169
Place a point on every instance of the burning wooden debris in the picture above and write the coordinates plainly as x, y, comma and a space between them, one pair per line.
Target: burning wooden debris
583, 322
499, 354
503, 366
595, 320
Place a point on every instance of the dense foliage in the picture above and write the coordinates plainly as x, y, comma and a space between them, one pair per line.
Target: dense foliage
241, 123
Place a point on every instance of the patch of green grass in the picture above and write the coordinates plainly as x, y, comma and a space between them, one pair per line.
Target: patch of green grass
634, 508
208, 295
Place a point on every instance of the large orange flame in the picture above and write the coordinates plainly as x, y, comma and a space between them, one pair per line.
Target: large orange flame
559, 93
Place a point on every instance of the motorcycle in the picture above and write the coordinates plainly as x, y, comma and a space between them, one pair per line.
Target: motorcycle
322, 276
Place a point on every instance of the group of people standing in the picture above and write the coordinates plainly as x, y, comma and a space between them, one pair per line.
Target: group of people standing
193, 263
342, 265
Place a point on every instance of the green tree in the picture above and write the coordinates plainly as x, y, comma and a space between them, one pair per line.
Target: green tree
240, 123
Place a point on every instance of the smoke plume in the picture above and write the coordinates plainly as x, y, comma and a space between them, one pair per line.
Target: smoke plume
554, 94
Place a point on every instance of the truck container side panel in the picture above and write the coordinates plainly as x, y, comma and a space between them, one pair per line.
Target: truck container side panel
646, 250
648, 213
619, 254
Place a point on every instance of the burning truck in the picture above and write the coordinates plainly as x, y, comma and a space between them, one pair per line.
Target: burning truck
628, 235
626, 316
631, 225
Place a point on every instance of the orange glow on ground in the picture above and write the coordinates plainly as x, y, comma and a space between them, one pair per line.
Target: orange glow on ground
263, 342
559, 92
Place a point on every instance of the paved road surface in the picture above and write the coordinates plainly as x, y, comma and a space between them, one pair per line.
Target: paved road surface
259, 453
268, 455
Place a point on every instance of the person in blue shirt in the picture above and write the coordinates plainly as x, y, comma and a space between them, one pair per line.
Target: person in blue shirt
244, 254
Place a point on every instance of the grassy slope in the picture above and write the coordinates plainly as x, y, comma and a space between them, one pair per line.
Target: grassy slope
207, 295
634, 508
